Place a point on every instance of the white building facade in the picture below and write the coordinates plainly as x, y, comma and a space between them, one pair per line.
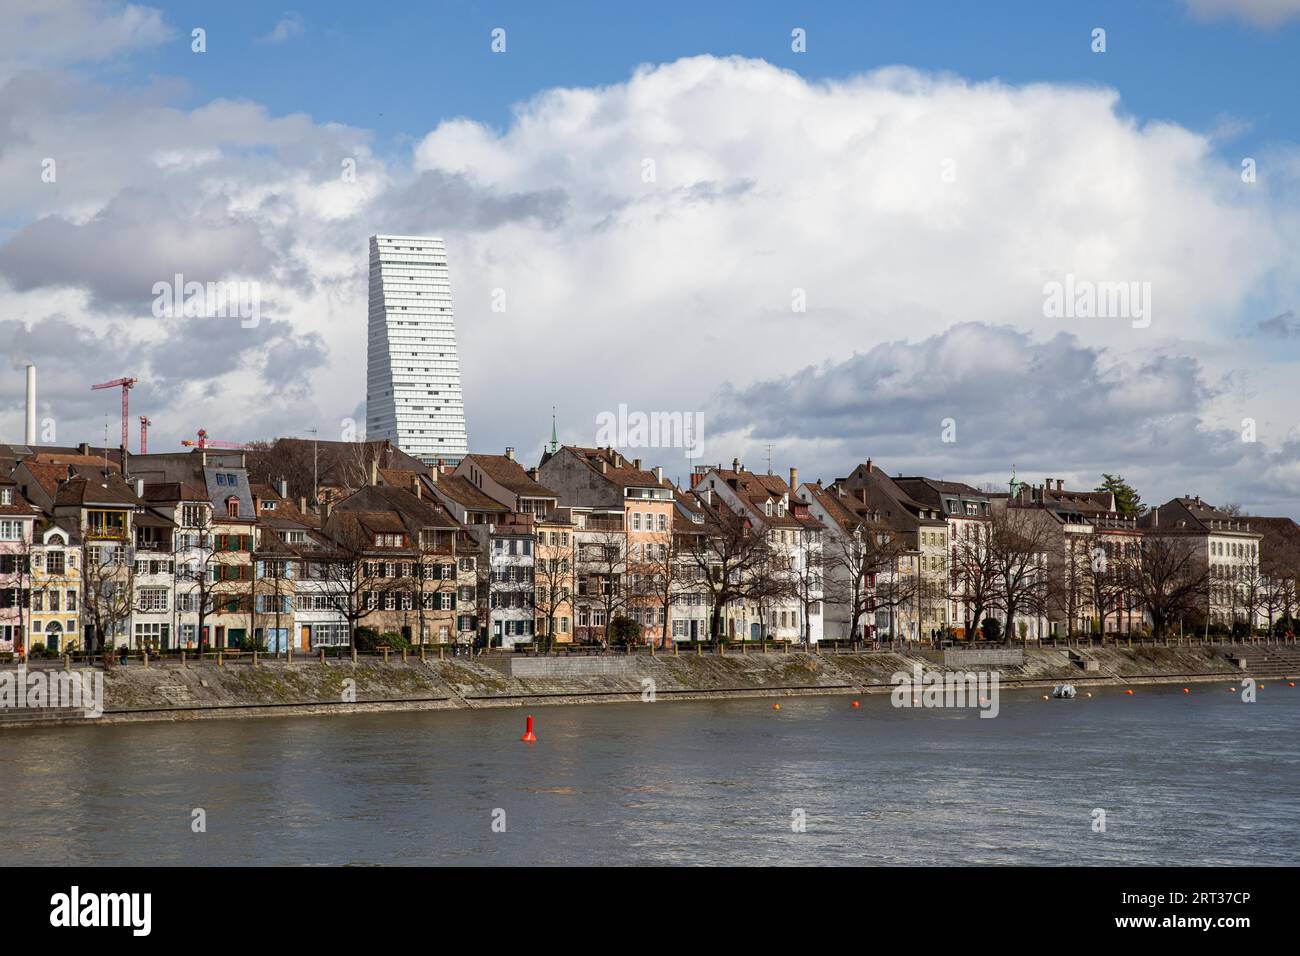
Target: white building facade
413, 388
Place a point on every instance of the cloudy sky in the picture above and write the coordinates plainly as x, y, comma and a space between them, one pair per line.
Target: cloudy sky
828, 255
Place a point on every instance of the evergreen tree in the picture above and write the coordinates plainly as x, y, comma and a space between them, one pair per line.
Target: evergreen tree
1127, 500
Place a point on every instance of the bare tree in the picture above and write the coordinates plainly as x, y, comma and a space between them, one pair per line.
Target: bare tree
854, 562
1019, 541
602, 574
552, 575
345, 580
108, 585
975, 576
1168, 580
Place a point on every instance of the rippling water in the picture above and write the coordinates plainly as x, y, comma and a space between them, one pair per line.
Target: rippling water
1195, 779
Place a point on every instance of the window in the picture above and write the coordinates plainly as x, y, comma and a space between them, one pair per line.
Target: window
11, 531
54, 562
232, 507
153, 599
6, 496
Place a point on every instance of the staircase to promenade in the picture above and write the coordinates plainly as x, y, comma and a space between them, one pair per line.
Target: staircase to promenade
40, 716
1270, 660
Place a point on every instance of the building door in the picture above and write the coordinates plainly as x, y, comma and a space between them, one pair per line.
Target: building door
306, 637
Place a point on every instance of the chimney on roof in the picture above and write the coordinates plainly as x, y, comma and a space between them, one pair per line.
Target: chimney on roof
659, 473
794, 478
534, 474
604, 466
417, 487
282, 487
302, 504
433, 472
510, 453
636, 463
83, 449
870, 466
735, 464
139, 487
374, 470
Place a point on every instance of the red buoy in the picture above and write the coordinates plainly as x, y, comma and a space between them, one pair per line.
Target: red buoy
528, 734
855, 704
1129, 691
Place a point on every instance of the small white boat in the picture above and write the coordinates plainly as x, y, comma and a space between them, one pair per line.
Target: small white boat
1064, 692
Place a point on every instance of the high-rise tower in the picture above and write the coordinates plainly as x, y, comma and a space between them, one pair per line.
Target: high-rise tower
413, 395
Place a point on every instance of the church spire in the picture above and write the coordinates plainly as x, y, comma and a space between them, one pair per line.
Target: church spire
554, 442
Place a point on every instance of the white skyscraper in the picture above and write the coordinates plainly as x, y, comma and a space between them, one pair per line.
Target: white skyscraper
413, 395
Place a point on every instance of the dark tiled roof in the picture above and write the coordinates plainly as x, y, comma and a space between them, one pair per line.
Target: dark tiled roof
510, 475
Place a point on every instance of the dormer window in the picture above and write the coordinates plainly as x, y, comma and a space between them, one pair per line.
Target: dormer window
6, 496
767, 508
232, 507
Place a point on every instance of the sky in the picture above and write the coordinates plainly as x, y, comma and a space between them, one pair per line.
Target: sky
819, 255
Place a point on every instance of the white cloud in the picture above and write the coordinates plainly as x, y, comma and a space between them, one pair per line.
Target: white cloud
1266, 13
656, 293
290, 25
52, 33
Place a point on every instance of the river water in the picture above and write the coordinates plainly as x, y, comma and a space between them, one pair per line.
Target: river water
1198, 778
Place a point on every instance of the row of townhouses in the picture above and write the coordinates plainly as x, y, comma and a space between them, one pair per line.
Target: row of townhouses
299, 545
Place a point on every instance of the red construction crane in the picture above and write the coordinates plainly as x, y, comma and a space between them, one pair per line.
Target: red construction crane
126, 384
206, 442
145, 422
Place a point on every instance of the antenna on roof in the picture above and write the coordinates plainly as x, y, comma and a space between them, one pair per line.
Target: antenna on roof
769, 458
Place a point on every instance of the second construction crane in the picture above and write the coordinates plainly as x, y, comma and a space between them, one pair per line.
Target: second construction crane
126, 385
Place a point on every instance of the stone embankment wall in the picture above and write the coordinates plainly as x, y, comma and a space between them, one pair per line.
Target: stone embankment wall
269, 688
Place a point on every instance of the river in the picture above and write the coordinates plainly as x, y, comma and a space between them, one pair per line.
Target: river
1198, 778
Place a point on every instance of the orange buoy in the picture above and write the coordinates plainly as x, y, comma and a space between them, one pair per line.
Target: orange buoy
528, 733
855, 703
776, 706
1129, 691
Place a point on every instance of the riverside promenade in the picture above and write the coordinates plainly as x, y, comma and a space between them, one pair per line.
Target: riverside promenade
248, 685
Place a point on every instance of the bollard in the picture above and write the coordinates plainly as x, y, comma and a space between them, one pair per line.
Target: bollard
322, 656
182, 657
288, 654
385, 654
255, 657
674, 648
404, 653
144, 657
67, 662
697, 649
742, 649
220, 662
765, 645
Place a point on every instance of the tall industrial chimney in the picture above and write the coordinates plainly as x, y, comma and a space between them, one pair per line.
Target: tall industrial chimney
31, 405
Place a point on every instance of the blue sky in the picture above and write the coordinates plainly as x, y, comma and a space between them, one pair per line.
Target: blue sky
399, 68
